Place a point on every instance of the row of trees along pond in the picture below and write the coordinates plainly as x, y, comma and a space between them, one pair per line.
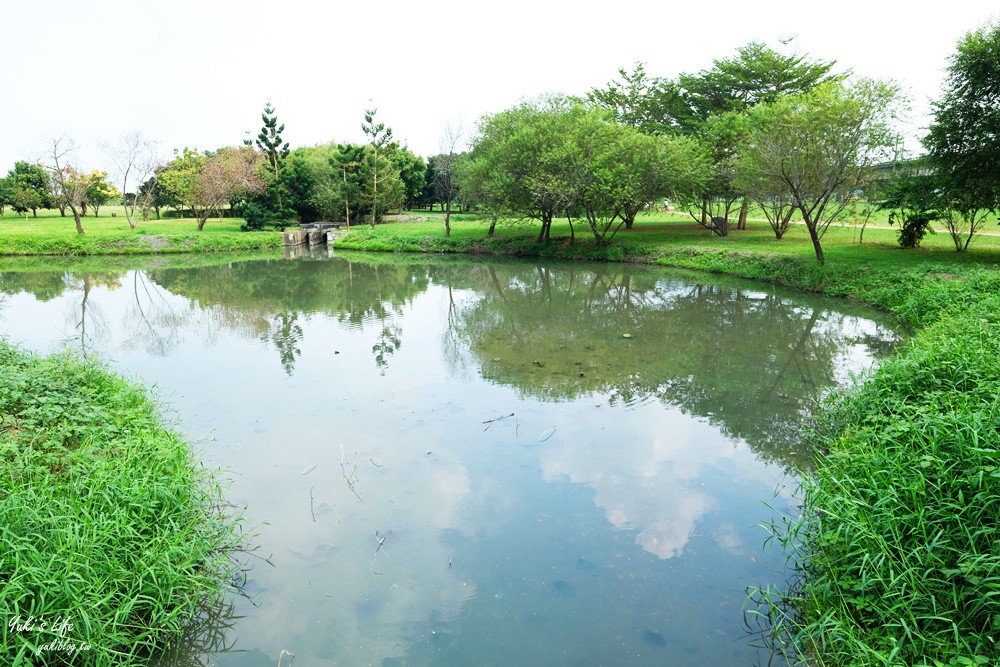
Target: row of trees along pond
782, 132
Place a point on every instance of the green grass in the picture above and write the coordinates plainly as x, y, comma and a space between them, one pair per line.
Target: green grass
897, 547
51, 234
105, 520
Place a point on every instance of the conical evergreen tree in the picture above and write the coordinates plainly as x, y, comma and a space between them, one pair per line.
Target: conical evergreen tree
269, 139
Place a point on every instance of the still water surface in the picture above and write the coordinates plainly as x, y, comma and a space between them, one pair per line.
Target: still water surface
469, 462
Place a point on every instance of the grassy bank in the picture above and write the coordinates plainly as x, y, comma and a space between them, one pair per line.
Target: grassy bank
112, 540
51, 234
898, 544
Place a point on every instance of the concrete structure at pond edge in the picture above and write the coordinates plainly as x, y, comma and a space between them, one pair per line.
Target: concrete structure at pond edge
314, 233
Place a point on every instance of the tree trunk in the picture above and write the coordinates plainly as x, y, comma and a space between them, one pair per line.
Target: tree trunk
743, 214
374, 187
201, 223
704, 211
815, 239
493, 226
447, 218
629, 219
347, 205
76, 219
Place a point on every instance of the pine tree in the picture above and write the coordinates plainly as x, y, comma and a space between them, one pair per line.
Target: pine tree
269, 139
379, 136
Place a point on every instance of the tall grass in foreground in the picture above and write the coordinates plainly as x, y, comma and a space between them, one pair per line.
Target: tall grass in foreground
111, 539
899, 541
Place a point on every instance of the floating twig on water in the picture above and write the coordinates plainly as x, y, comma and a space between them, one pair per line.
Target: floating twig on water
489, 422
311, 509
380, 538
546, 434
352, 477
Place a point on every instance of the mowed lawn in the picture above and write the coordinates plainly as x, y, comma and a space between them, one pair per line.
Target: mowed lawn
109, 233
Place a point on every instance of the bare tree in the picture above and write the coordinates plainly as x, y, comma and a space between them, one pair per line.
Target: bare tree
70, 184
134, 157
444, 179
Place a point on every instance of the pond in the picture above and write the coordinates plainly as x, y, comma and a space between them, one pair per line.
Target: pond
457, 462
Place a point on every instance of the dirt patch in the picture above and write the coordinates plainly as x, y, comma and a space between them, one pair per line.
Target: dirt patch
405, 218
154, 242
943, 276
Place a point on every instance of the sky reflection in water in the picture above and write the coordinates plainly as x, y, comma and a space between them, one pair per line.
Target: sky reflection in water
608, 514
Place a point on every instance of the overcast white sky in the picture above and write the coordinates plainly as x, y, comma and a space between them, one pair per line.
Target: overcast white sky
198, 72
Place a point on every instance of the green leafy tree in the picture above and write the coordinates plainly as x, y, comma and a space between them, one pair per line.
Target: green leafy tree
23, 200
963, 142
411, 169
99, 191
29, 188
653, 105
151, 197
558, 157
820, 147
312, 184
757, 74
720, 135
5, 191
912, 200
517, 166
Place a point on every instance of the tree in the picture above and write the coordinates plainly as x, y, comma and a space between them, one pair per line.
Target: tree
963, 141
720, 135
348, 162
99, 191
151, 196
757, 74
23, 200
268, 204
5, 192
28, 188
70, 184
207, 183
312, 184
558, 157
652, 105
411, 169
819, 148
613, 171
269, 140
518, 161
378, 137
445, 184
912, 200
135, 159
